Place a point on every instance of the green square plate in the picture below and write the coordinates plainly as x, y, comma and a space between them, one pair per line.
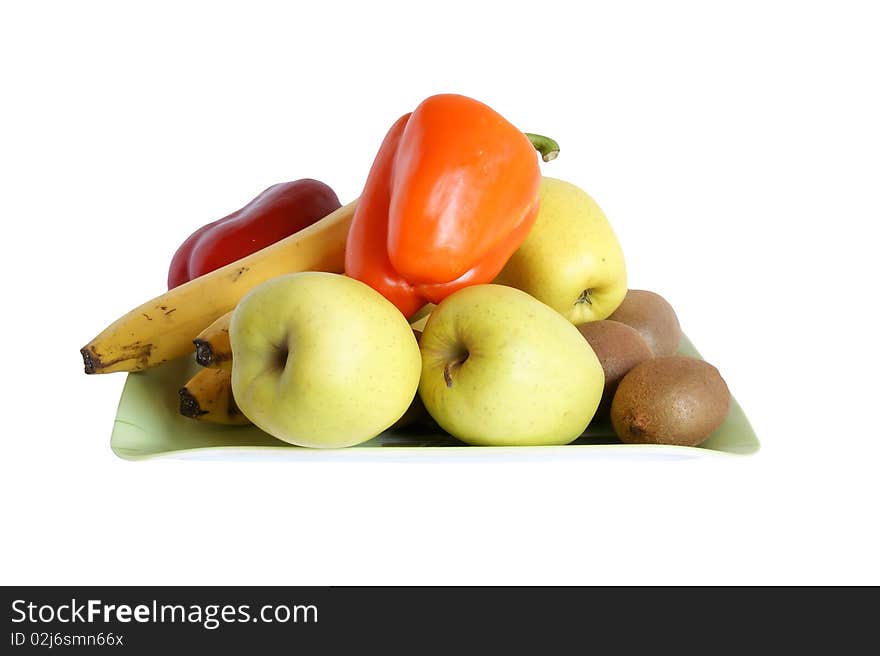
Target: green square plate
148, 425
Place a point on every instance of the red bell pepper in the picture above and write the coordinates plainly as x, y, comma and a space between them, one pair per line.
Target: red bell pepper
279, 211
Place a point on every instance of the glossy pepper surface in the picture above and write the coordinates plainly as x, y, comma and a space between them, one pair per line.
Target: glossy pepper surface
279, 211
451, 195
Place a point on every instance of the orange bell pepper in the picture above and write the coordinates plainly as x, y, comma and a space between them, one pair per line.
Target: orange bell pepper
452, 193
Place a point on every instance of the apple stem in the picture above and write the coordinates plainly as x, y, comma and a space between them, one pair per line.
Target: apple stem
457, 362
548, 148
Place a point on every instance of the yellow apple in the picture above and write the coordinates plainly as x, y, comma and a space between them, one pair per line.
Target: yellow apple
322, 360
571, 259
501, 368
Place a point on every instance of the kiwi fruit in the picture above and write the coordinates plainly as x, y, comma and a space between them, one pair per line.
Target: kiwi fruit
670, 400
653, 317
619, 348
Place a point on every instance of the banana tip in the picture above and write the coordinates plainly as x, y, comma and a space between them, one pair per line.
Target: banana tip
189, 405
204, 352
91, 362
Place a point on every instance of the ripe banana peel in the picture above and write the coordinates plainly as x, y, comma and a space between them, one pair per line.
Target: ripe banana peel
163, 329
208, 397
213, 348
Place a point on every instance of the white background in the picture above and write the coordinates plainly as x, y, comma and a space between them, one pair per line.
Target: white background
734, 146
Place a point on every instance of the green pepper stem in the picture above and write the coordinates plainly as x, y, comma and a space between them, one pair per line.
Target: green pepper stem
548, 148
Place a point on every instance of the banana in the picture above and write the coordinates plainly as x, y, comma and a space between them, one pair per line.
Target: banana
422, 313
212, 344
208, 397
163, 329
420, 319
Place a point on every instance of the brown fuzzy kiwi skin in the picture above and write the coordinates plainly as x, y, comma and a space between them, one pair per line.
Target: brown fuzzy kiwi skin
670, 400
619, 348
653, 317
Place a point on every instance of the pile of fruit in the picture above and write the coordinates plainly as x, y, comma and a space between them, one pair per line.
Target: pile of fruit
461, 289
